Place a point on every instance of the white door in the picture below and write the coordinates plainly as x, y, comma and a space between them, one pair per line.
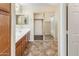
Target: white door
73, 28
38, 27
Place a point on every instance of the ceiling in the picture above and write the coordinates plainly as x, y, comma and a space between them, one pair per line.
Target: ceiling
38, 4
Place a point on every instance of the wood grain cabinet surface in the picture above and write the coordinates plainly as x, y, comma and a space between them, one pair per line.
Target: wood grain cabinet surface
18, 50
5, 7
5, 31
21, 46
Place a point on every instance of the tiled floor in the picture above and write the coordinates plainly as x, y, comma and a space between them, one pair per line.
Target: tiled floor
43, 48
49, 37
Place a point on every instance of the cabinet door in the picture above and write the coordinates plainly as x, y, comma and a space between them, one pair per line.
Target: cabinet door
23, 44
18, 50
5, 7
4, 33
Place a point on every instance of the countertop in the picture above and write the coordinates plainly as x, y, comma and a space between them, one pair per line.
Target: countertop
20, 32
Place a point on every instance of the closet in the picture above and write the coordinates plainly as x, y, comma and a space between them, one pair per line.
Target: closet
5, 29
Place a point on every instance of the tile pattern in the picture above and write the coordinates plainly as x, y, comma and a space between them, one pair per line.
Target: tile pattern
43, 48
49, 37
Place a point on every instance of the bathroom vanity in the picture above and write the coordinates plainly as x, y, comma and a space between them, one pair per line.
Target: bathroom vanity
22, 38
22, 31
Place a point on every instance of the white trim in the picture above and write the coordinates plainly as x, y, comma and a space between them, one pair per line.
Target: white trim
62, 31
13, 29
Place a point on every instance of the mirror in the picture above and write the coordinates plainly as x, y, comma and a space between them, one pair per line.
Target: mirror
21, 18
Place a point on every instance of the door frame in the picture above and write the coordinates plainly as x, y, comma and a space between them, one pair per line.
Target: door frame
62, 30
13, 27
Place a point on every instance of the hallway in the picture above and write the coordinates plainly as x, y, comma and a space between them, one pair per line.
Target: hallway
38, 29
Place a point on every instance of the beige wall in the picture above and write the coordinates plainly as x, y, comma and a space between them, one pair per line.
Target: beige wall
47, 27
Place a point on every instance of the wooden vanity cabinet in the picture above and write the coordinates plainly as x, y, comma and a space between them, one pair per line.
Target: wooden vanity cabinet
5, 31
18, 49
21, 46
24, 44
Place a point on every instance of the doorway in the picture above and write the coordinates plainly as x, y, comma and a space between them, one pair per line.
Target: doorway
38, 29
